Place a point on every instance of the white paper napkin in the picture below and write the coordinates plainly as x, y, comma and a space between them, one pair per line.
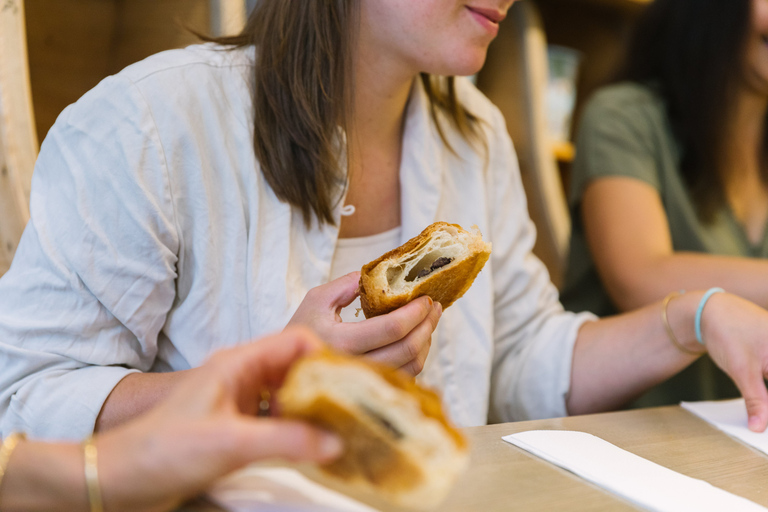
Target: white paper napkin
633, 478
261, 489
730, 416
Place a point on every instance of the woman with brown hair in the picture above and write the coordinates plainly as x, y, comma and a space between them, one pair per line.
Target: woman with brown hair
209, 195
670, 183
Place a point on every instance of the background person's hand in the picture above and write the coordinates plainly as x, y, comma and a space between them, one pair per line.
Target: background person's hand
400, 339
735, 331
207, 428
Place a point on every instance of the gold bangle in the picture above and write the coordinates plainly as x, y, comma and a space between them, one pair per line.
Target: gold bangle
92, 475
6, 450
668, 327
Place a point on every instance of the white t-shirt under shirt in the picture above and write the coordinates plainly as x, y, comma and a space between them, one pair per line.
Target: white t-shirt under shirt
352, 253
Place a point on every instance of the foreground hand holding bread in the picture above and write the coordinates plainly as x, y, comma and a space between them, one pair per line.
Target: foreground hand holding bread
205, 429
388, 435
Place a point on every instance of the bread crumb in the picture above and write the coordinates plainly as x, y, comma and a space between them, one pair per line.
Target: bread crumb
357, 312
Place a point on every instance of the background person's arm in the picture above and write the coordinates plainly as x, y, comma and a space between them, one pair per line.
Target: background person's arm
628, 235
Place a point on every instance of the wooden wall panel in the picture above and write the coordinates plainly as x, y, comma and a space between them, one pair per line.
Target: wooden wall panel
74, 44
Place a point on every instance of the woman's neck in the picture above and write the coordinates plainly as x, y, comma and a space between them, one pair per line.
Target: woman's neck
381, 94
375, 140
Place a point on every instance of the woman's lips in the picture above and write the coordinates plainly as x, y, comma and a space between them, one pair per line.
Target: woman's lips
488, 18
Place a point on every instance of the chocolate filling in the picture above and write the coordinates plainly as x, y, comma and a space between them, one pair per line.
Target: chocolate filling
382, 421
439, 262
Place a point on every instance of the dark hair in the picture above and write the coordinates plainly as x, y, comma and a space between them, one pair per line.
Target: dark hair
302, 96
693, 53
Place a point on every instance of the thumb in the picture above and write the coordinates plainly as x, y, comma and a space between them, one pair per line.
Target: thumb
268, 438
340, 292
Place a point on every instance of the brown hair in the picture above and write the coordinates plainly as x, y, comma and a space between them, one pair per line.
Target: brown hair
302, 96
691, 52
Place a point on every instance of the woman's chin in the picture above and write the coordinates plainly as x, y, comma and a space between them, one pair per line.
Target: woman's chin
467, 65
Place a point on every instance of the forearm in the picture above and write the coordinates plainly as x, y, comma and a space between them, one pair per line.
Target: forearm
135, 394
616, 359
44, 477
647, 282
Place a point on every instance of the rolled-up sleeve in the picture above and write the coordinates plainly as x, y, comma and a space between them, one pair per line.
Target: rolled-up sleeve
94, 274
533, 335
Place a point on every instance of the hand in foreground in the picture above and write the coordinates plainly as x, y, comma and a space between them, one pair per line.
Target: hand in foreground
400, 339
736, 334
207, 428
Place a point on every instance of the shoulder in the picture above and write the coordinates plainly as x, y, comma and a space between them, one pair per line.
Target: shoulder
173, 78
208, 57
625, 99
172, 88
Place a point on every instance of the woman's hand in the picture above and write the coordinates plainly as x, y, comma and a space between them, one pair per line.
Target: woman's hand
735, 331
208, 428
400, 339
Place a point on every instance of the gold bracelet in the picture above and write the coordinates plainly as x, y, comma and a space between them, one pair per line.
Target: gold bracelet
92, 475
6, 450
670, 332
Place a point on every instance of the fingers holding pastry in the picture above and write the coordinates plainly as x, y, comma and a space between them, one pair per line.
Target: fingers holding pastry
410, 353
322, 304
382, 331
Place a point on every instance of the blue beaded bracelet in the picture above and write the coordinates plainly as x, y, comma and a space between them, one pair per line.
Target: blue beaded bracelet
703, 301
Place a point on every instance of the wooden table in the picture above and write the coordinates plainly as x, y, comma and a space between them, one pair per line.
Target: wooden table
502, 477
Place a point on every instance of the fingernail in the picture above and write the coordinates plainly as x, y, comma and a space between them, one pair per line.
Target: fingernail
330, 446
430, 300
754, 423
439, 308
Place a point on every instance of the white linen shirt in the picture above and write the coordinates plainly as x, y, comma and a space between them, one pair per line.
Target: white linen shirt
154, 240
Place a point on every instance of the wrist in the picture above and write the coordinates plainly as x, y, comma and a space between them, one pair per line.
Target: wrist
136, 471
45, 477
682, 319
700, 311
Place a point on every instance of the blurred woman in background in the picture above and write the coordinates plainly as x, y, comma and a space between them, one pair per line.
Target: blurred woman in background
669, 190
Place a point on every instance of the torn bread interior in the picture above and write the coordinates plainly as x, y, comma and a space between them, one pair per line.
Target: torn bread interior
441, 262
398, 442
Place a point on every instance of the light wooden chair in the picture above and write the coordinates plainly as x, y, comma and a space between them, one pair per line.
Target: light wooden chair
228, 16
18, 139
515, 79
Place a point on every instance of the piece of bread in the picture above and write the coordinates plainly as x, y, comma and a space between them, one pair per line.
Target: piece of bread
441, 262
397, 441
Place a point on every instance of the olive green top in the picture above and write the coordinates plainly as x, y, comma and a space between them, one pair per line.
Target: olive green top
624, 131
